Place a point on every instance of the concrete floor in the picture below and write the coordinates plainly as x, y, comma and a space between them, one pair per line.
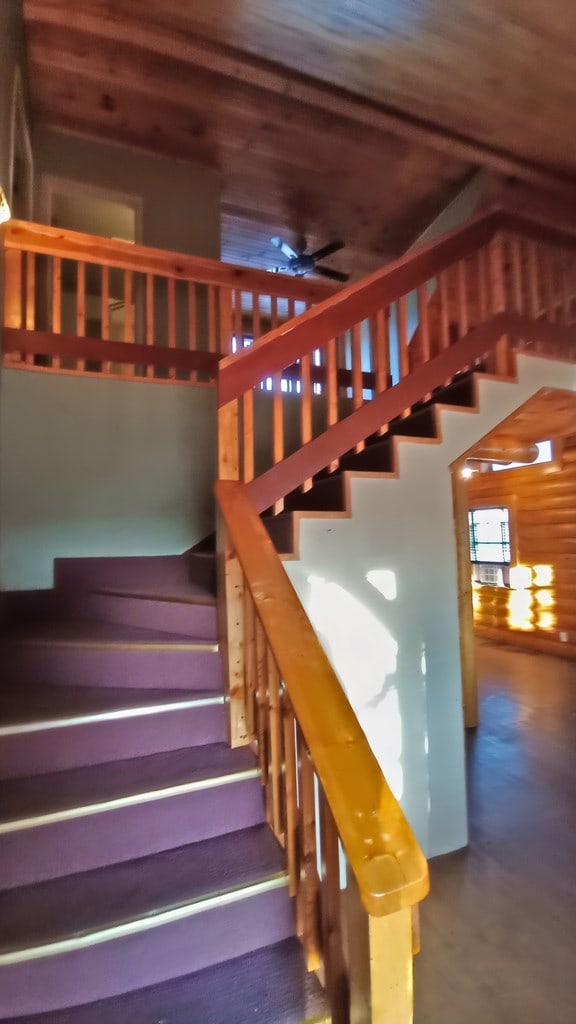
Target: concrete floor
499, 928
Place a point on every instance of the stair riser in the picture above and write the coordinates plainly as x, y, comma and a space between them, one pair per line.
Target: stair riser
195, 620
53, 750
79, 844
116, 667
83, 574
153, 956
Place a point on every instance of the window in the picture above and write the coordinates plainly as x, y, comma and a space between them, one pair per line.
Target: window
489, 535
545, 454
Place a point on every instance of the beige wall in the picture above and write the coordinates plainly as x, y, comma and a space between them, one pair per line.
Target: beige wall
96, 467
180, 201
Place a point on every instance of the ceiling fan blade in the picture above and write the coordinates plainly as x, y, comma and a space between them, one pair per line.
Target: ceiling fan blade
334, 275
285, 249
327, 250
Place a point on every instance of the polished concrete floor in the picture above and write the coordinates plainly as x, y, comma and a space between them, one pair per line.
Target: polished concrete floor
499, 928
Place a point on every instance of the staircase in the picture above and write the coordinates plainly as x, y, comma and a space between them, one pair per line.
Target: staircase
139, 878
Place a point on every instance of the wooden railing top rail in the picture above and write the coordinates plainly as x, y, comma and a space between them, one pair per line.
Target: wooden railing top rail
74, 245
388, 864
283, 346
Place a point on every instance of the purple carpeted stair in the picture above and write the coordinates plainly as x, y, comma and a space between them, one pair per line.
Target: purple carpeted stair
139, 881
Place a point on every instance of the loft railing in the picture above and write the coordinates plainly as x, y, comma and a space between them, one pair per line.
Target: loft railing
81, 304
355, 869
367, 341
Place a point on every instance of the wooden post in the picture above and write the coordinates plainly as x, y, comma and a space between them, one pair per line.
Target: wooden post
465, 609
231, 634
380, 962
228, 442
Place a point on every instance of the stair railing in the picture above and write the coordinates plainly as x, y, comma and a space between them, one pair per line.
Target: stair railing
355, 869
295, 402
73, 300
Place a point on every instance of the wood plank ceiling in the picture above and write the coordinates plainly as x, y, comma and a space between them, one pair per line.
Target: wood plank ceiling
355, 118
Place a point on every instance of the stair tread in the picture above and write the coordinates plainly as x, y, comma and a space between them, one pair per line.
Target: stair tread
84, 903
52, 703
268, 986
90, 632
78, 787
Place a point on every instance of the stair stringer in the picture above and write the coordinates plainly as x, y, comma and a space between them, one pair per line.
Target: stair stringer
399, 659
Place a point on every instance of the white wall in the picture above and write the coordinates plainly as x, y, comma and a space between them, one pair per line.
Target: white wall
399, 659
180, 200
100, 467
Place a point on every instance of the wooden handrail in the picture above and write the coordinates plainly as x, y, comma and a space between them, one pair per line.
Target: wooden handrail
295, 339
389, 866
75, 245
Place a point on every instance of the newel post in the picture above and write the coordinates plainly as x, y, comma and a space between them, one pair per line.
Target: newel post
231, 584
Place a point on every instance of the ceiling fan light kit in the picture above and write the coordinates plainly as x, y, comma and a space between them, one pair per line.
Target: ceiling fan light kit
299, 262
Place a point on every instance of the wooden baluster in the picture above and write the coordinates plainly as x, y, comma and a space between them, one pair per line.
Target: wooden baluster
81, 309
462, 299
226, 318
534, 303
212, 325
231, 628
248, 436
171, 285
56, 303
290, 784
423, 326
331, 391
256, 319
250, 664
545, 257
30, 298
305, 409
248, 403
13, 291
498, 359
228, 441
149, 318
277, 408
444, 311
516, 259
263, 718
128, 332
381, 356
105, 313
238, 319
481, 285
566, 317
310, 883
335, 970
276, 752
357, 377
403, 353
192, 325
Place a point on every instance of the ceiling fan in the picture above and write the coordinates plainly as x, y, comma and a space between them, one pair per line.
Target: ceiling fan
300, 262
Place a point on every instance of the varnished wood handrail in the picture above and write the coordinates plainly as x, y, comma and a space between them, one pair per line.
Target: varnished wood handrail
389, 866
274, 351
75, 245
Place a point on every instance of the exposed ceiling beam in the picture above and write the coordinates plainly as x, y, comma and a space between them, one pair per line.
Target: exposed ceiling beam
275, 79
